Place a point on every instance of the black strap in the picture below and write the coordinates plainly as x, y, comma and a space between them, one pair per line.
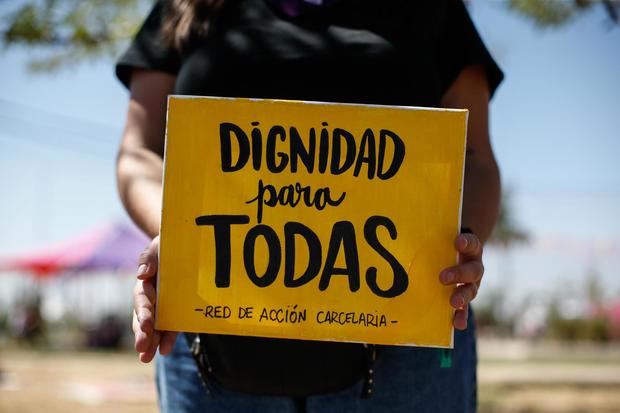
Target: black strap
201, 359
369, 376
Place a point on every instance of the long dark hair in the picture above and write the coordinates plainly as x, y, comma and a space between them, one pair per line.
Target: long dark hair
188, 19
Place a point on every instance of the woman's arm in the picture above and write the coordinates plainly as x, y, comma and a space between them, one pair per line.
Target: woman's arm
482, 184
140, 157
139, 177
481, 191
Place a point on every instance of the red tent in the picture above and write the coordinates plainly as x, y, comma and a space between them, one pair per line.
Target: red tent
114, 246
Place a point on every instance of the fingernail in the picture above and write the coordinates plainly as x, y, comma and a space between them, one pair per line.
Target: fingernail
142, 269
464, 242
447, 277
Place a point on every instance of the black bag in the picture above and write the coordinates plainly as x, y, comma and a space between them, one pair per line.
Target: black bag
279, 367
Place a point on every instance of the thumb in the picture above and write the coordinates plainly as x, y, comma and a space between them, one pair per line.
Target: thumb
147, 262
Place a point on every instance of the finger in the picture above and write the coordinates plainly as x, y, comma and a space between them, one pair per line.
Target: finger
470, 272
135, 325
147, 262
469, 246
144, 304
142, 341
148, 355
460, 318
166, 344
463, 294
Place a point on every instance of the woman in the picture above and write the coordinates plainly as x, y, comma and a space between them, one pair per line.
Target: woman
362, 51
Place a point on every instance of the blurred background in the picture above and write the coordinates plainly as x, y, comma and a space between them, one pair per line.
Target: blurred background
549, 311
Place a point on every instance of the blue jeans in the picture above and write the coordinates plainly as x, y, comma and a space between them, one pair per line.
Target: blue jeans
407, 379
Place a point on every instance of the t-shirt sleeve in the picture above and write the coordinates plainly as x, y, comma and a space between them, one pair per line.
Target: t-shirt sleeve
462, 47
148, 50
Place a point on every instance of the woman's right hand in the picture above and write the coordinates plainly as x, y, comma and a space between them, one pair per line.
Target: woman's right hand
147, 339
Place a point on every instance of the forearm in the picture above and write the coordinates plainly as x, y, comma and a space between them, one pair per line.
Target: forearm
139, 178
481, 195
139, 163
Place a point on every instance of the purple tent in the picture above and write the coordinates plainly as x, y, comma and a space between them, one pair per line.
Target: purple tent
118, 250
115, 246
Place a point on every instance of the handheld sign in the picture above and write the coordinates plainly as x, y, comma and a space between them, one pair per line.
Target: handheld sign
305, 220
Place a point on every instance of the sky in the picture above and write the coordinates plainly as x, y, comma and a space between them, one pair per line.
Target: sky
555, 126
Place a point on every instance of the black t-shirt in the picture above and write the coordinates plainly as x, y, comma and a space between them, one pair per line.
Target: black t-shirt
396, 52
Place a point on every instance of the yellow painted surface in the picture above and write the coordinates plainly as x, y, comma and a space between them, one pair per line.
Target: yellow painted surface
422, 200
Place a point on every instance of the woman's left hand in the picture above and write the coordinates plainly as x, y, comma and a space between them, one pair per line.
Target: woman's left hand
466, 276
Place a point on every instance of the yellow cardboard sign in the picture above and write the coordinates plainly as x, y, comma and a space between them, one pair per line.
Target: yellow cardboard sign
309, 220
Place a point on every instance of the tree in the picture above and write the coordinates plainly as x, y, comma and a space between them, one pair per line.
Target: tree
66, 32
553, 13
507, 232
493, 310
593, 287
